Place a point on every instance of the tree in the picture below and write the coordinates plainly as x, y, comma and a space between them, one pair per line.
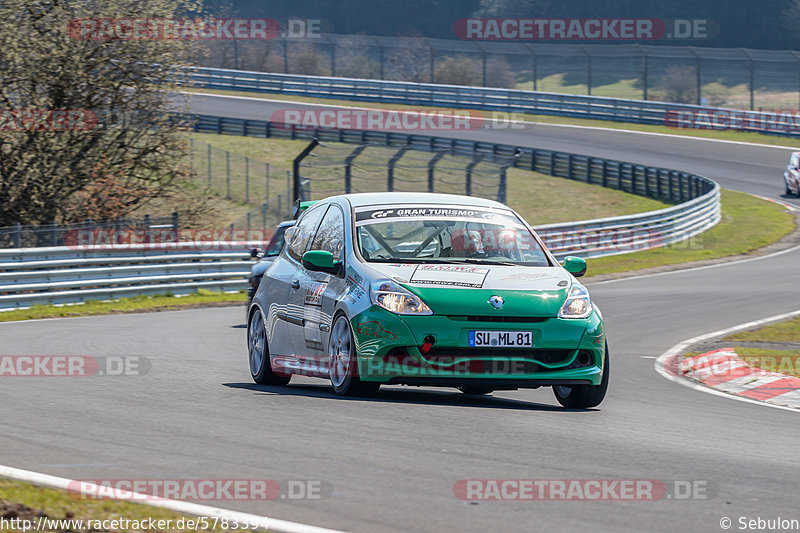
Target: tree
115, 146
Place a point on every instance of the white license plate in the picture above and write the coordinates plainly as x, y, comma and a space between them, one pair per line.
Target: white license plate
501, 339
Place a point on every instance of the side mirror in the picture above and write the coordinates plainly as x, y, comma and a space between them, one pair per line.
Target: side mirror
254, 253
321, 261
575, 265
289, 235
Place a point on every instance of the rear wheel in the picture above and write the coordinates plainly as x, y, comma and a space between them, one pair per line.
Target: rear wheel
584, 396
475, 390
343, 362
258, 353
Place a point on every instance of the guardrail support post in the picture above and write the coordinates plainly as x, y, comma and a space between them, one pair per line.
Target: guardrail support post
53, 234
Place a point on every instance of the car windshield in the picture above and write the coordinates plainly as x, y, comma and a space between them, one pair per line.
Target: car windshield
445, 234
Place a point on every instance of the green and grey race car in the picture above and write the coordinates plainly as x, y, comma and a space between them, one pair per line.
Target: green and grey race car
427, 290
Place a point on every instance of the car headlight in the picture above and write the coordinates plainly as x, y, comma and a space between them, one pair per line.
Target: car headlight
396, 299
577, 305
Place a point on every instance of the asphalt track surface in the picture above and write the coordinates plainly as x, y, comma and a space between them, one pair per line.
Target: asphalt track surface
393, 460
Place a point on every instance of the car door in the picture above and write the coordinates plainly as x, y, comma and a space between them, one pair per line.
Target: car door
318, 290
284, 276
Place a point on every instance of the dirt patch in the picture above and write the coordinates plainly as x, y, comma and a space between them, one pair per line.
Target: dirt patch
17, 511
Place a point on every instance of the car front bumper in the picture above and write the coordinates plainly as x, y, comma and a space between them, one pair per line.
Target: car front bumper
393, 349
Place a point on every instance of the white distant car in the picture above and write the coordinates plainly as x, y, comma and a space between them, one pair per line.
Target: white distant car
791, 177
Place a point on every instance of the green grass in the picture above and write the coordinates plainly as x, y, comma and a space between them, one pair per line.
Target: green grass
787, 331
136, 304
543, 199
60, 504
707, 134
747, 224
781, 361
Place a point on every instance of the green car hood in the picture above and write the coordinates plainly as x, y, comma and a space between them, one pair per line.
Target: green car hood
468, 289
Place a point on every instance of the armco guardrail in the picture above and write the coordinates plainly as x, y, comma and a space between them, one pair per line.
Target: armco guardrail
62, 275
489, 99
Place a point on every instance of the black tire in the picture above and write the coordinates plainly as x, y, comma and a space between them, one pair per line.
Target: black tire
476, 390
343, 361
786, 186
258, 352
584, 396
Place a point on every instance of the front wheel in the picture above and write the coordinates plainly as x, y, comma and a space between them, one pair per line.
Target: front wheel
343, 362
258, 353
584, 396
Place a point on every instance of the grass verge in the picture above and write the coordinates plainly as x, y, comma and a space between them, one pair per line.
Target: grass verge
781, 361
728, 135
748, 223
135, 304
27, 502
787, 331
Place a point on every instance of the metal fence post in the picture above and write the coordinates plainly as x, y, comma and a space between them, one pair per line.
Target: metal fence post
348, 167
228, 174
53, 234
266, 194
175, 221
432, 172
148, 232
247, 180
17, 235
208, 150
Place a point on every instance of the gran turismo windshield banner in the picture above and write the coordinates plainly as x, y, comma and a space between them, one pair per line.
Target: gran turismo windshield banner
377, 214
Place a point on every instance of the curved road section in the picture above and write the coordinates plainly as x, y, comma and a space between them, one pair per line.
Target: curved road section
654, 453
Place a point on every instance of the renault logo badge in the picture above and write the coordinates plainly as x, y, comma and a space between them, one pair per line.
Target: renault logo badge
496, 301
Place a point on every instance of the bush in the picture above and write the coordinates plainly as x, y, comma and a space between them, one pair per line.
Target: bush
457, 71
680, 84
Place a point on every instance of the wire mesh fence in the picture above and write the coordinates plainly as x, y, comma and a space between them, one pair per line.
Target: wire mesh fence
22, 236
264, 186
738, 78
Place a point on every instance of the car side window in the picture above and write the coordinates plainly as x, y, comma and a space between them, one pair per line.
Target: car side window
793, 161
305, 230
330, 235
